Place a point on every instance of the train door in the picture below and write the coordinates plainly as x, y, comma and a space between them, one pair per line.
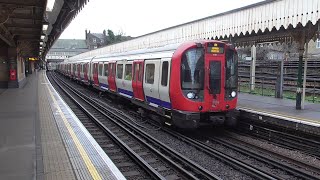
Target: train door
137, 80
214, 97
123, 78
81, 72
90, 72
151, 82
119, 75
112, 77
78, 69
164, 83
100, 71
95, 74
102, 76
127, 79
70, 70
85, 67
74, 70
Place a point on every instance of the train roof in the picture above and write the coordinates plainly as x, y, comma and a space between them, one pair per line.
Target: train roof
146, 53
134, 54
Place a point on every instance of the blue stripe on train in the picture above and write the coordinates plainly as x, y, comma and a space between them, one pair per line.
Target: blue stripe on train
129, 93
104, 86
149, 99
159, 102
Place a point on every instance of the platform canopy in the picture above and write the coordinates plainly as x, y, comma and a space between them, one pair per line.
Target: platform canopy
32, 26
269, 20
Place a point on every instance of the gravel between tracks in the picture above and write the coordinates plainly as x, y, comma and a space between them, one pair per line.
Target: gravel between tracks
279, 150
216, 166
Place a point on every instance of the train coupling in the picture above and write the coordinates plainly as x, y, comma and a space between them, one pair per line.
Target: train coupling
217, 119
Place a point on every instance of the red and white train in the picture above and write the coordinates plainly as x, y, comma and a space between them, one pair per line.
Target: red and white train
191, 84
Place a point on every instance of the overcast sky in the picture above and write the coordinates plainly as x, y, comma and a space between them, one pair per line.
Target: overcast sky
139, 17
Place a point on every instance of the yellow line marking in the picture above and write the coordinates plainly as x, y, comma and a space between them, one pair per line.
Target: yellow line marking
93, 171
279, 114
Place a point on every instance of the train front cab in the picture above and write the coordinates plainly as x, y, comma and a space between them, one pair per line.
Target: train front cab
207, 73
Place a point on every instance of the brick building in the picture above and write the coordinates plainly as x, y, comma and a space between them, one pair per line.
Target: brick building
95, 40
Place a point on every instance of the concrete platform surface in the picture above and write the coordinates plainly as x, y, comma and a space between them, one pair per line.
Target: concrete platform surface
18, 114
280, 107
41, 138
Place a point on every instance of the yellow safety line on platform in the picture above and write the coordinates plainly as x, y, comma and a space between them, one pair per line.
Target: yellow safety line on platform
278, 114
93, 171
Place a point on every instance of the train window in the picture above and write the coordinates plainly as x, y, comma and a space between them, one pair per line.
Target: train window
140, 76
82, 68
94, 68
100, 69
106, 70
136, 70
111, 70
164, 76
231, 73
150, 73
114, 69
119, 71
215, 77
128, 72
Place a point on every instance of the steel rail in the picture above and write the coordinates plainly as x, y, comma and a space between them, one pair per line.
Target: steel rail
200, 171
151, 171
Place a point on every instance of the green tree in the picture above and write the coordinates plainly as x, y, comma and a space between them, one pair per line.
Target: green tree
111, 36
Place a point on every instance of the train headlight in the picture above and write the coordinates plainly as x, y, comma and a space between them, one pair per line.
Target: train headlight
191, 95
233, 94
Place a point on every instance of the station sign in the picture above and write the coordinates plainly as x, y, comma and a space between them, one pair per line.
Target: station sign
56, 57
33, 59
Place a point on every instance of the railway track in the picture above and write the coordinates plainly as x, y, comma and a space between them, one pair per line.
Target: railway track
233, 138
277, 161
266, 168
272, 161
307, 145
157, 160
288, 164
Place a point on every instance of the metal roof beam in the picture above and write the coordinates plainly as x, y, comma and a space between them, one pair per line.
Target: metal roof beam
27, 33
26, 26
29, 38
6, 36
20, 3
26, 16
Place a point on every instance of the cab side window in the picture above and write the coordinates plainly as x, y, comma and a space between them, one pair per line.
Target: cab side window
164, 76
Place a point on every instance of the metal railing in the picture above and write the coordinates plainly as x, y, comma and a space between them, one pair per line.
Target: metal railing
267, 86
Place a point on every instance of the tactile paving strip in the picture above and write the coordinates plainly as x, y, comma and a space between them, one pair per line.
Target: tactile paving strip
65, 118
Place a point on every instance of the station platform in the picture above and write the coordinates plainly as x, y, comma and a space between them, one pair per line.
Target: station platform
284, 110
41, 138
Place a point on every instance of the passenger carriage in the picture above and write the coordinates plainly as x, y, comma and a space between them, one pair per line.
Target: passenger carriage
191, 84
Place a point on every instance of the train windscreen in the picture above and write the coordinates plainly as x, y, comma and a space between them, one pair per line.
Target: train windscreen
192, 73
231, 73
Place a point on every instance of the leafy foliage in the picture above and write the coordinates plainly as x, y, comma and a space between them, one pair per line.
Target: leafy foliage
111, 38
